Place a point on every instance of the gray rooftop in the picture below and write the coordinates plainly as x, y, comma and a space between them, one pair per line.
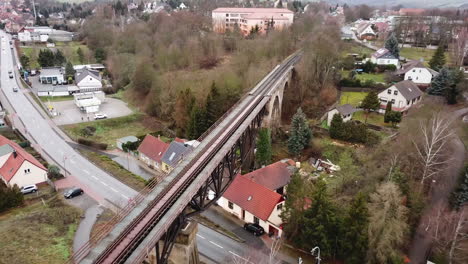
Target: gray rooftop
85, 73
174, 153
51, 71
346, 109
5, 149
383, 53
408, 89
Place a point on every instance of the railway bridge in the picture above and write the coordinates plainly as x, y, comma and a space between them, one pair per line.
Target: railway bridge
152, 221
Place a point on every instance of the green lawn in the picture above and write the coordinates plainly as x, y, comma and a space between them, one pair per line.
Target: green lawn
414, 53
38, 233
56, 98
352, 98
373, 118
109, 130
376, 77
353, 47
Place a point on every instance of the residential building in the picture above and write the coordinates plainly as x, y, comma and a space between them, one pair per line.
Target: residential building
173, 155
18, 166
403, 96
418, 73
42, 34
49, 90
88, 80
248, 18
89, 102
254, 203
53, 75
151, 151
94, 67
411, 11
384, 57
365, 31
274, 176
346, 111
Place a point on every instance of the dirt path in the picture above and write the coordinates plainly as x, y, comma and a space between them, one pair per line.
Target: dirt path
421, 244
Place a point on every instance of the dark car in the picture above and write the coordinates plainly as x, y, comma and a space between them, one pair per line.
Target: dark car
73, 192
256, 229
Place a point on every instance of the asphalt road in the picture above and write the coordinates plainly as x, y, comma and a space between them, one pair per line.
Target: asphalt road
91, 178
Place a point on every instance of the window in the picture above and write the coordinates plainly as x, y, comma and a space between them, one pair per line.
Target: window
393, 101
230, 205
227, 15
227, 20
389, 91
414, 70
417, 78
407, 102
279, 206
27, 171
256, 220
395, 92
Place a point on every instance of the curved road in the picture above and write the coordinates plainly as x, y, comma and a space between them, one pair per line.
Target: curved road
100, 185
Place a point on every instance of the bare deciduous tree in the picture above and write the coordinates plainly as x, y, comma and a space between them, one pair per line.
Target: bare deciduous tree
432, 145
460, 43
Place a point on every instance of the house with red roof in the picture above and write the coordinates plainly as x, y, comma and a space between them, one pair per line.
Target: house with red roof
254, 203
151, 150
18, 166
257, 197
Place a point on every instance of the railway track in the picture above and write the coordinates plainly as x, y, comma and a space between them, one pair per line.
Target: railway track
124, 244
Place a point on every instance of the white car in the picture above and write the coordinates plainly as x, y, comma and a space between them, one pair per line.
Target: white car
28, 189
15, 89
100, 116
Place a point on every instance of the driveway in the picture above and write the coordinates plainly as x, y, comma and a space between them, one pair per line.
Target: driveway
70, 114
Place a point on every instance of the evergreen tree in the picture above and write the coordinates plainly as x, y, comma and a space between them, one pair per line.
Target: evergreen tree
59, 59
337, 127
460, 195
355, 236
440, 83
197, 123
320, 225
300, 133
438, 59
213, 105
394, 117
452, 91
46, 58
392, 45
80, 54
99, 55
370, 103
388, 109
295, 206
69, 71
264, 150
24, 60
183, 109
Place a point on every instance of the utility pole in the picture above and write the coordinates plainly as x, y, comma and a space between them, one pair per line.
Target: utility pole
34, 8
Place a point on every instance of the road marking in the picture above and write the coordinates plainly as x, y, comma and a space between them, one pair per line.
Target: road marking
200, 236
96, 178
126, 197
239, 256
87, 172
215, 244
104, 183
72, 161
114, 189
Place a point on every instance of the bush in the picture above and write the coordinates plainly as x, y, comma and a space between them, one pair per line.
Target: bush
352, 132
87, 142
10, 197
88, 131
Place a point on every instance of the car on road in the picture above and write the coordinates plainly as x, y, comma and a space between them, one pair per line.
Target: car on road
28, 189
254, 228
10, 74
75, 191
100, 116
15, 89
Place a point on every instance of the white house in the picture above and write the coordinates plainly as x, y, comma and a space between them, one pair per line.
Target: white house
365, 31
384, 57
403, 96
416, 71
42, 34
53, 75
254, 203
346, 111
151, 151
89, 102
18, 166
88, 80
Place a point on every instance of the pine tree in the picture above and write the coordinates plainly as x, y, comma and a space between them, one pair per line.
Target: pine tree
452, 90
300, 133
213, 105
59, 59
80, 54
183, 109
320, 225
392, 45
394, 117
370, 103
24, 60
264, 150
69, 70
337, 127
99, 55
438, 59
460, 195
294, 207
355, 236
440, 83
197, 123
388, 109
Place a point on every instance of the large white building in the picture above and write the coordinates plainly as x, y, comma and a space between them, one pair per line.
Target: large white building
384, 57
248, 18
403, 96
42, 34
416, 71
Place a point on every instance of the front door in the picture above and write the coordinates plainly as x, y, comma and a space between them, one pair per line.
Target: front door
243, 214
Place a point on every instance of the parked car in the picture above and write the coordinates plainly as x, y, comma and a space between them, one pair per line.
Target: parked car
256, 229
28, 189
100, 116
75, 191
15, 89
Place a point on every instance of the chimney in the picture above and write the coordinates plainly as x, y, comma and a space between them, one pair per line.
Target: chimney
15, 154
159, 136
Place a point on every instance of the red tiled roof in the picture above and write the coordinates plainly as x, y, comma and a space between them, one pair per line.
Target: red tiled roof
273, 176
251, 10
252, 197
153, 148
11, 166
180, 140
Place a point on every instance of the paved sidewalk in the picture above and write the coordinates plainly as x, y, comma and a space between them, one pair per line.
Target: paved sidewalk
86, 225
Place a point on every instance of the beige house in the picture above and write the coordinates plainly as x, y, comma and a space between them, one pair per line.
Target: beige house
18, 166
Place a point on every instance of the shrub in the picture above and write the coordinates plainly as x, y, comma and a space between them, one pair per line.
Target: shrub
88, 131
90, 143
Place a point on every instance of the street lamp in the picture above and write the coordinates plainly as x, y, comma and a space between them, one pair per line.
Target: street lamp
316, 250
64, 167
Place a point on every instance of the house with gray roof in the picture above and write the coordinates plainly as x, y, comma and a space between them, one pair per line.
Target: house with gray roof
418, 73
384, 57
346, 111
88, 80
403, 95
173, 155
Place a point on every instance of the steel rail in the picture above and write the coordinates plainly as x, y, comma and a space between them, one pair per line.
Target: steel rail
159, 206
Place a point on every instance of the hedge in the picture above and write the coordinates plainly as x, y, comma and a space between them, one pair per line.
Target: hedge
91, 143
